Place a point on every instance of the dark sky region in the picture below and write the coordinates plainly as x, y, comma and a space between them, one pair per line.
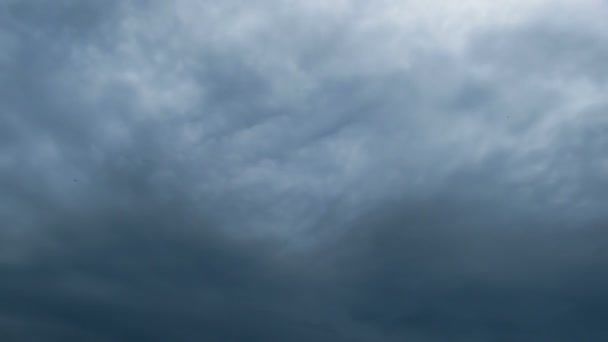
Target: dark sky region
273, 170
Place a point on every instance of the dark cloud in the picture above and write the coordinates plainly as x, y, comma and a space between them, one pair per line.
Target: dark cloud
268, 171
470, 265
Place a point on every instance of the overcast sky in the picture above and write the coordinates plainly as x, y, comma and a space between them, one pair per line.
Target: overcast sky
274, 170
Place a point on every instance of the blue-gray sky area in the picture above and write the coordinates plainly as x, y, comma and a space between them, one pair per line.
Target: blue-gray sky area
273, 170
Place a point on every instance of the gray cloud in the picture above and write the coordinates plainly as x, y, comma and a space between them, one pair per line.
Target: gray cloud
303, 171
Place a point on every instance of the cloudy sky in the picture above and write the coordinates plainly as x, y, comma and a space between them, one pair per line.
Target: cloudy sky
303, 170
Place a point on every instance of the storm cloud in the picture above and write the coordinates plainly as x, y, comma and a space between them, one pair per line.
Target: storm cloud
303, 171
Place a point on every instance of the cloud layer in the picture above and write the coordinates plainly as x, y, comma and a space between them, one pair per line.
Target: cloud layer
303, 171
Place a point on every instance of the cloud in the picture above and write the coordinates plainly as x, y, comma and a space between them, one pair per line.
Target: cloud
277, 170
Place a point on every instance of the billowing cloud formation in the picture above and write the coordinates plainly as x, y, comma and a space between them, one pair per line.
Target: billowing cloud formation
303, 171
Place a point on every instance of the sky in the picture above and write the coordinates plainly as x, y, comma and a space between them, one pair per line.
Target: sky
303, 170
